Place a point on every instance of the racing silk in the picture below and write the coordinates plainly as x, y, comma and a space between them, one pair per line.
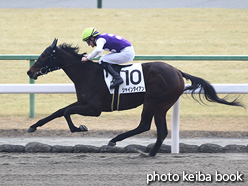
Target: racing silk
114, 43
109, 42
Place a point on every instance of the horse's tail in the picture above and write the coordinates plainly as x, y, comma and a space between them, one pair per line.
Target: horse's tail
207, 89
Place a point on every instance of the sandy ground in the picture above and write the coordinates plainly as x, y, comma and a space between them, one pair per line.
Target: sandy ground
122, 169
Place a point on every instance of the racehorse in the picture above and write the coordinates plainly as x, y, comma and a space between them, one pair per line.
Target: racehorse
164, 85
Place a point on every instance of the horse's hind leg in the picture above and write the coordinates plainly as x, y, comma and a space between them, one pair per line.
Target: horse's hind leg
145, 125
162, 131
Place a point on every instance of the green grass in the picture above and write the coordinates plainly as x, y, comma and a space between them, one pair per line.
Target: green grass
152, 32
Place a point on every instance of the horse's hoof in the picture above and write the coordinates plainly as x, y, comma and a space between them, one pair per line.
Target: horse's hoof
151, 154
83, 128
111, 144
30, 130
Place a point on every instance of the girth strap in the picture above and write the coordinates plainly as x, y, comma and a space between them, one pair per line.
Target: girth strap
115, 100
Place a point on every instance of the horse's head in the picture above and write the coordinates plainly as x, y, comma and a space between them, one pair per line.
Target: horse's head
46, 62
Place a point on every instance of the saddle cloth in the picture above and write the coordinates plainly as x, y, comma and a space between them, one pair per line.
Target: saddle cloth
133, 78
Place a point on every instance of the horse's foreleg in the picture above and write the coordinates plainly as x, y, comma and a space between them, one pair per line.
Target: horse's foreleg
85, 110
57, 114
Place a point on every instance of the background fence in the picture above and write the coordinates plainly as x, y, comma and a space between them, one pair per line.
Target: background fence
33, 89
32, 58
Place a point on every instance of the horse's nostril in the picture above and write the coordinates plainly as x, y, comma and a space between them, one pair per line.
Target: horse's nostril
29, 72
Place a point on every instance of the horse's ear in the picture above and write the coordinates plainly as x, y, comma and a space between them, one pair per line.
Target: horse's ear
54, 44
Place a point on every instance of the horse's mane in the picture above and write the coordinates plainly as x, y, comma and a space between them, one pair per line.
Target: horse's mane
73, 50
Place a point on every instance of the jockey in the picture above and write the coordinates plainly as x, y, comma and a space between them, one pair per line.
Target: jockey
120, 51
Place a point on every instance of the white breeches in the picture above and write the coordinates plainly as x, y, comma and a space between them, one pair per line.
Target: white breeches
126, 55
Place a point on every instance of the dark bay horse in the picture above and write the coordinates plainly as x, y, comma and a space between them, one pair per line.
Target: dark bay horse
164, 85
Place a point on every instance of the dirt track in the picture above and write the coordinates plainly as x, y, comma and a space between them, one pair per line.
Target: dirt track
13, 133
119, 169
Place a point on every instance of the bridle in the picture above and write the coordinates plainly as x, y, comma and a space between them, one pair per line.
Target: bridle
52, 63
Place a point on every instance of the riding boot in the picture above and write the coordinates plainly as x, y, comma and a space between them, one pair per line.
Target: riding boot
117, 80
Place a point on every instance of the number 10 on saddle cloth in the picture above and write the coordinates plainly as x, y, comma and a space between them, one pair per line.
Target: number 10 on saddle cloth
133, 80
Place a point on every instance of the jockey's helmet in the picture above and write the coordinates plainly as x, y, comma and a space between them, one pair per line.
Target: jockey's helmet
89, 32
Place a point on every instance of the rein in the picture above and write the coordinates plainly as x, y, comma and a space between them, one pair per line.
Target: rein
47, 69
52, 65
71, 64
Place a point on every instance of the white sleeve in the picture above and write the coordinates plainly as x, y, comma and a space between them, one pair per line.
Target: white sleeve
98, 50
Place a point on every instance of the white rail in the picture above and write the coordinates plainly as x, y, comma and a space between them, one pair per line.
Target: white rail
37, 89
